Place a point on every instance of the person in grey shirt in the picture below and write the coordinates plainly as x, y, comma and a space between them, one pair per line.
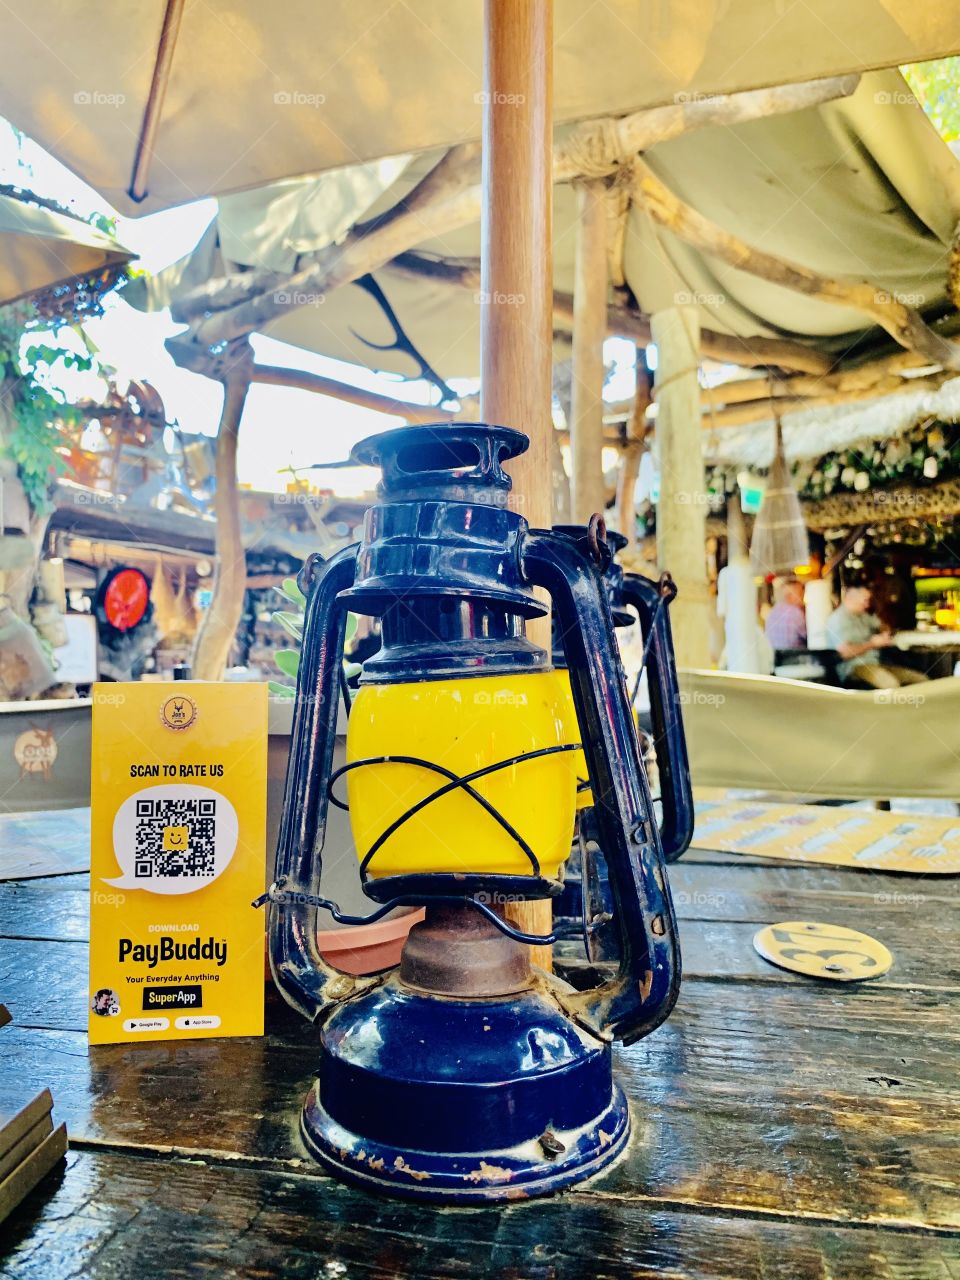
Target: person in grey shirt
858, 637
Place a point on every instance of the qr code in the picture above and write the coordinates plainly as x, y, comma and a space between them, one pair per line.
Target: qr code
175, 838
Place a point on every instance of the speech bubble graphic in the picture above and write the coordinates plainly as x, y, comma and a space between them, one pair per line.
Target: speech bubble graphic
173, 839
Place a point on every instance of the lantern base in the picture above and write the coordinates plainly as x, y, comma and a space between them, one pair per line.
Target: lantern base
463, 1101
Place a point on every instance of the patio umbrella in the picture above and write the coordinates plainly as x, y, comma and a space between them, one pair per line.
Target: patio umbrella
159, 103
40, 248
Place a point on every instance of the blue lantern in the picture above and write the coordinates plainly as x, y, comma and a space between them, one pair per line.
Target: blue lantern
466, 1074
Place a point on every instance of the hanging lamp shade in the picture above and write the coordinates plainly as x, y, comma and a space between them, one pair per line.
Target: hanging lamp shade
779, 535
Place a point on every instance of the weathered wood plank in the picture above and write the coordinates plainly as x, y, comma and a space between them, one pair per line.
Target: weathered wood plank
763, 1095
724, 949
776, 1100
734, 891
731, 888
886, 909
48, 843
35, 1166
718, 947
124, 1218
57, 908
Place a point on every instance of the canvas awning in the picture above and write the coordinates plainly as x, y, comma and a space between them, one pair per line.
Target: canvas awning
231, 97
40, 248
861, 188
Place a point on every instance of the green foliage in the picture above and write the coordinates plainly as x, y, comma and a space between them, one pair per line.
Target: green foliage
291, 590
292, 624
288, 660
32, 407
937, 86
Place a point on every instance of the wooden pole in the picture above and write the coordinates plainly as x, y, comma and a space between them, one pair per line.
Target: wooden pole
516, 256
681, 509
588, 489
219, 627
629, 470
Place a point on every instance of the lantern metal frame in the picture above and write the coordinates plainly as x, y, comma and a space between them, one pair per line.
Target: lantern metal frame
397, 1116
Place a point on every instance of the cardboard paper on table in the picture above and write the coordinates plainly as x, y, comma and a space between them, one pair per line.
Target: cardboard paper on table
178, 822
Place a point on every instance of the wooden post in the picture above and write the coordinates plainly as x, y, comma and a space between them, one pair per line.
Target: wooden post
588, 489
219, 627
681, 509
632, 454
516, 280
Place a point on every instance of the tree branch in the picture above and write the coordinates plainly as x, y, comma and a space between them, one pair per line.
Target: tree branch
596, 147
212, 648
449, 198
902, 322
275, 376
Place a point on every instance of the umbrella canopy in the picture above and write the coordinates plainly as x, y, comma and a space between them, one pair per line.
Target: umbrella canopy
40, 248
862, 188
159, 103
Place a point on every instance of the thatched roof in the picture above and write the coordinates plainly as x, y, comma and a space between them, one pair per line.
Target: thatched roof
810, 433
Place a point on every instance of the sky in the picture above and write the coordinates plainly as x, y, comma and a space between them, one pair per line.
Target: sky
281, 427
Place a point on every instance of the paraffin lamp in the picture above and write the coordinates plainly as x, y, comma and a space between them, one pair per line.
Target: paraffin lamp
465, 1075
585, 907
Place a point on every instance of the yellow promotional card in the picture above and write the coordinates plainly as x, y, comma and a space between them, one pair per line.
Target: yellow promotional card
178, 825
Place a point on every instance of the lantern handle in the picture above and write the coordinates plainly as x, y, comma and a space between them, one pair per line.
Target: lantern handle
644, 989
299, 970
651, 601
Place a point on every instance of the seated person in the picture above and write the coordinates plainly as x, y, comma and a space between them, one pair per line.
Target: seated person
786, 624
857, 637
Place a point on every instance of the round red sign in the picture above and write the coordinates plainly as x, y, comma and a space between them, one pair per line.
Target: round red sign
126, 596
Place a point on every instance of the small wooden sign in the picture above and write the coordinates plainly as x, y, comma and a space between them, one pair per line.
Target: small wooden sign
29, 1149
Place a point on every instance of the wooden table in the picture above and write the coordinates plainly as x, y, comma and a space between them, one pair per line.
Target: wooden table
783, 1128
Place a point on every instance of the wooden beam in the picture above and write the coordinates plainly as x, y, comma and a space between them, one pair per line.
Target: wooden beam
444, 200
596, 148
153, 110
276, 376
753, 352
902, 322
739, 415
624, 322
588, 488
638, 428
516, 240
883, 373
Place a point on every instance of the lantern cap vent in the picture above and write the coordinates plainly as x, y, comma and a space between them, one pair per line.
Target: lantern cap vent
459, 461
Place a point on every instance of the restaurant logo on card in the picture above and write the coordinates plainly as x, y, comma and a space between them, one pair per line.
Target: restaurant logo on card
179, 712
35, 752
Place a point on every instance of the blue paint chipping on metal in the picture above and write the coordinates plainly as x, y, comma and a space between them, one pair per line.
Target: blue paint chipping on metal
420, 1093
